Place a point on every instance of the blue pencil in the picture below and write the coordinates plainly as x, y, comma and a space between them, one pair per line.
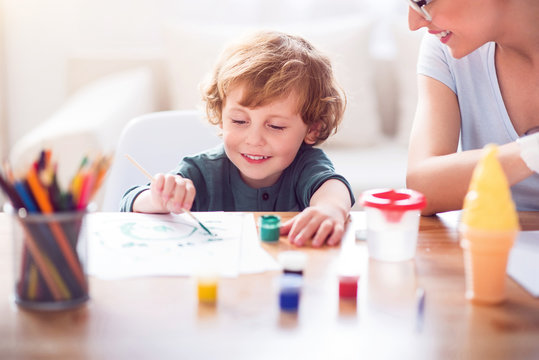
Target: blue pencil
27, 200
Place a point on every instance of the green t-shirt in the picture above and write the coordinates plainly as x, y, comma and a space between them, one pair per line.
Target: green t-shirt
219, 186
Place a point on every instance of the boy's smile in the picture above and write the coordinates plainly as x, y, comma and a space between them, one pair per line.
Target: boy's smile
255, 159
263, 141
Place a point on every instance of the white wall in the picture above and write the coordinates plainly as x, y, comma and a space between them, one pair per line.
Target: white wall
41, 35
3, 119
38, 36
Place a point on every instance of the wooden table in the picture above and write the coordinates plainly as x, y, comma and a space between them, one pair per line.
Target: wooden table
160, 318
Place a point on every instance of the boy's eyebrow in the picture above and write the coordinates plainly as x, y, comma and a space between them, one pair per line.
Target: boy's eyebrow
238, 108
279, 117
244, 109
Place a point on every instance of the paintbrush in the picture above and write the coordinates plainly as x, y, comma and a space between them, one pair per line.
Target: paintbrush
420, 303
149, 176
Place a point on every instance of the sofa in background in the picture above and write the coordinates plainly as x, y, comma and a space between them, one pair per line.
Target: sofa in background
109, 89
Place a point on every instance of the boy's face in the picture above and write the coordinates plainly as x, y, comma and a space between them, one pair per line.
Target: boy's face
262, 141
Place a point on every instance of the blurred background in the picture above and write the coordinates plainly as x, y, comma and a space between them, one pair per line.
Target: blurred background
67, 65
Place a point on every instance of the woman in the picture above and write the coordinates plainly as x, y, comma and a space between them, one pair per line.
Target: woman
478, 83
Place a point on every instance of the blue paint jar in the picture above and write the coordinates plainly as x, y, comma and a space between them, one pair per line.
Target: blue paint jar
289, 293
269, 227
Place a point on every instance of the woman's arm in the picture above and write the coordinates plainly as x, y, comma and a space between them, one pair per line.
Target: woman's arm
434, 166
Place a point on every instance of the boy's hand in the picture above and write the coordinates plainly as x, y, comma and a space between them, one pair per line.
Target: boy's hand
319, 223
171, 193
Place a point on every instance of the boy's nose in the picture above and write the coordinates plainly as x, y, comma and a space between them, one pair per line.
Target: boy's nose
255, 136
415, 20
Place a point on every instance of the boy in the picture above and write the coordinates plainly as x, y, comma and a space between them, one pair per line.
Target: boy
274, 97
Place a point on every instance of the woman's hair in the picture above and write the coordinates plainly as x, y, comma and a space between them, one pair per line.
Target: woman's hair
271, 65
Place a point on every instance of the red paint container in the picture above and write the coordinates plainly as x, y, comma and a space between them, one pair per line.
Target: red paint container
348, 286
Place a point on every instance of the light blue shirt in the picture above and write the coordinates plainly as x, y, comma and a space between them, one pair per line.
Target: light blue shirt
484, 118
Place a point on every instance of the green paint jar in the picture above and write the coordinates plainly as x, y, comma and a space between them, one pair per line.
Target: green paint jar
269, 227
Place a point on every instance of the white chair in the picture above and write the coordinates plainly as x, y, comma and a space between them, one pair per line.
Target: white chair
157, 141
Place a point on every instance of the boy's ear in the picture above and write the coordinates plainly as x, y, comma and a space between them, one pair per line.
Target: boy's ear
312, 134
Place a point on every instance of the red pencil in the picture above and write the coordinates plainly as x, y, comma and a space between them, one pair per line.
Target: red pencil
88, 182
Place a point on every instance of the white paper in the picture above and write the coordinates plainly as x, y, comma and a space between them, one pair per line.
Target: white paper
124, 245
523, 265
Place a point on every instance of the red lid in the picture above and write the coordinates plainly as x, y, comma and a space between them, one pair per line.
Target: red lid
389, 199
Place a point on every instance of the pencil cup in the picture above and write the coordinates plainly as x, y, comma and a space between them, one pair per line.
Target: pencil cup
50, 259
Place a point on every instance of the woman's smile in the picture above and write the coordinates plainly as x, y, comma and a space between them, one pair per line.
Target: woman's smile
443, 35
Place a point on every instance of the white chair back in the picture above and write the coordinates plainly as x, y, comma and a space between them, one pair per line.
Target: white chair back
157, 141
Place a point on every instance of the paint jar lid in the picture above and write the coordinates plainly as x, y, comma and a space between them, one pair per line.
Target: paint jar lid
206, 272
270, 221
390, 199
290, 282
348, 279
292, 260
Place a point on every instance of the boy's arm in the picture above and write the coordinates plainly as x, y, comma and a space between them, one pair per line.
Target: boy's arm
143, 204
324, 219
335, 194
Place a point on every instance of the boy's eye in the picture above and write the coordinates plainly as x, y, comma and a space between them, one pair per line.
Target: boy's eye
277, 127
239, 122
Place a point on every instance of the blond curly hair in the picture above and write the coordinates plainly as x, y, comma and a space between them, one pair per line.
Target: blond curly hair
271, 65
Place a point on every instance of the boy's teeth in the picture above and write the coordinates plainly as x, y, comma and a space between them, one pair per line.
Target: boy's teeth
254, 157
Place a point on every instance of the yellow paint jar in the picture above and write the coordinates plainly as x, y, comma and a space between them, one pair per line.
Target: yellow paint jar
207, 287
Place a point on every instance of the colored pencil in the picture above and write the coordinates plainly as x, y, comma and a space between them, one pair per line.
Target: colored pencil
32, 283
86, 189
17, 203
102, 169
24, 194
55, 194
11, 193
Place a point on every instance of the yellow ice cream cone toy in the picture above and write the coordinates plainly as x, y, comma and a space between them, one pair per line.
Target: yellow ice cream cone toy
488, 228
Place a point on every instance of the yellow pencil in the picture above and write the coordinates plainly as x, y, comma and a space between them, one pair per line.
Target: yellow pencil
102, 168
32, 283
149, 176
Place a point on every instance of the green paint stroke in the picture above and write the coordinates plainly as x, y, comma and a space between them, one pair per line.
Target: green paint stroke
155, 232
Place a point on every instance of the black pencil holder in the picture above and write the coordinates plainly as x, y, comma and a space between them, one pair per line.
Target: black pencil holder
50, 260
